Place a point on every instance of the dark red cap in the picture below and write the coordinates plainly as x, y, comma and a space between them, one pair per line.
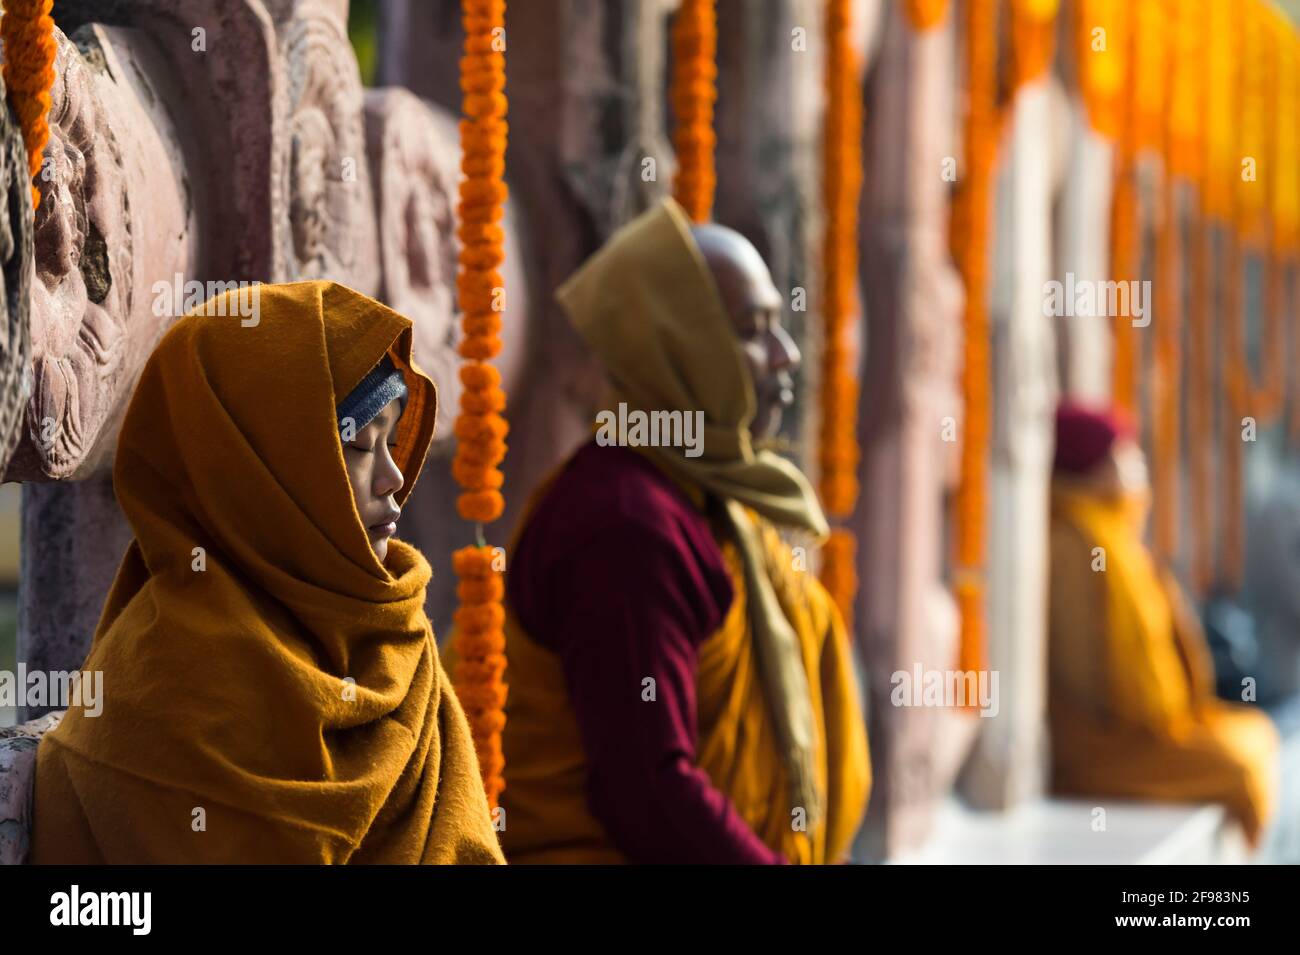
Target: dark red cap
1085, 434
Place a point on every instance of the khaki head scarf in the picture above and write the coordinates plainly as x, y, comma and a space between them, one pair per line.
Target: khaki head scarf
648, 307
260, 663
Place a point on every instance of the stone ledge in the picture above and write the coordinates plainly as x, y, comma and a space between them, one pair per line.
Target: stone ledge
17, 775
1053, 832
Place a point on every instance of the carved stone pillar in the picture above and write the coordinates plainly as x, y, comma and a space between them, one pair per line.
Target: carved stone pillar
15, 283
116, 216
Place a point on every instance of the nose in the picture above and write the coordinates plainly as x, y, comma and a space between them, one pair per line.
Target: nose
783, 353
388, 477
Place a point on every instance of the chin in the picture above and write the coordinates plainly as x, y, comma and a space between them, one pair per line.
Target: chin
766, 425
380, 547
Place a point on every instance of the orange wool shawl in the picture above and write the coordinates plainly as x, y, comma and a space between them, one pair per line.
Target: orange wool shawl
272, 693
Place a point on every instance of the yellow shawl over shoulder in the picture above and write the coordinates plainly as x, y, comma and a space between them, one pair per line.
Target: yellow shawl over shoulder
1131, 704
272, 693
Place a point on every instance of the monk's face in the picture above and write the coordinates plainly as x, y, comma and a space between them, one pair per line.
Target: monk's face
374, 476
755, 307
1123, 472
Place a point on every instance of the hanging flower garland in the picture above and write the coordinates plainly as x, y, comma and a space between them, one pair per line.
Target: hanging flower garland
27, 30
1252, 196
480, 428
1033, 38
1099, 57
692, 92
839, 453
925, 15
1186, 155
1222, 167
1245, 238
970, 227
1125, 241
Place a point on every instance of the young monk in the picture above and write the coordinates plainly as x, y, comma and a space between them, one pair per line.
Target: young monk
680, 689
1131, 702
273, 692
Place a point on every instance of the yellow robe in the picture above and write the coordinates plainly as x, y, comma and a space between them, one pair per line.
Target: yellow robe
547, 817
1130, 702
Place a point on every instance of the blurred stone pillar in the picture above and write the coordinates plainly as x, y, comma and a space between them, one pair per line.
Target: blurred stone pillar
913, 305
1008, 764
1082, 240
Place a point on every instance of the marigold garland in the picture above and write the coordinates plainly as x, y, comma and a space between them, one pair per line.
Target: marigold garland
838, 450
692, 92
480, 428
1033, 31
27, 30
1125, 241
1261, 64
1100, 55
970, 228
925, 15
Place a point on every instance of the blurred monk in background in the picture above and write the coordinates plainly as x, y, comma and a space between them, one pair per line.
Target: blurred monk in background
1131, 701
681, 687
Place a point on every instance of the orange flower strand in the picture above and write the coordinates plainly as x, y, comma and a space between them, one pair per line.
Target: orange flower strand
692, 92
480, 429
27, 30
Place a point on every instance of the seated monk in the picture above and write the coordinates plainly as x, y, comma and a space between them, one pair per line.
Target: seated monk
272, 689
680, 690
1130, 699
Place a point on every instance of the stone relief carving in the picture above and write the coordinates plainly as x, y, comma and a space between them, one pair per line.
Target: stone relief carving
331, 210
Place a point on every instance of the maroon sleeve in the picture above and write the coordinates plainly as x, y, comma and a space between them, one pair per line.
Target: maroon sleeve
630, 606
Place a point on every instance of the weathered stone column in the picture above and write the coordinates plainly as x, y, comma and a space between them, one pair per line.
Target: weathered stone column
15, 282
1082, 242
1008, 764
116, 216
912, 297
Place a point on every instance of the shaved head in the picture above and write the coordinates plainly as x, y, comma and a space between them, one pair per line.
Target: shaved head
754, 306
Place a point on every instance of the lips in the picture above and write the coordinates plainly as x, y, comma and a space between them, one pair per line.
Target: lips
386, 526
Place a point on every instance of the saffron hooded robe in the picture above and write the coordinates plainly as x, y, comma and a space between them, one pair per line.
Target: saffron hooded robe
272, 692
